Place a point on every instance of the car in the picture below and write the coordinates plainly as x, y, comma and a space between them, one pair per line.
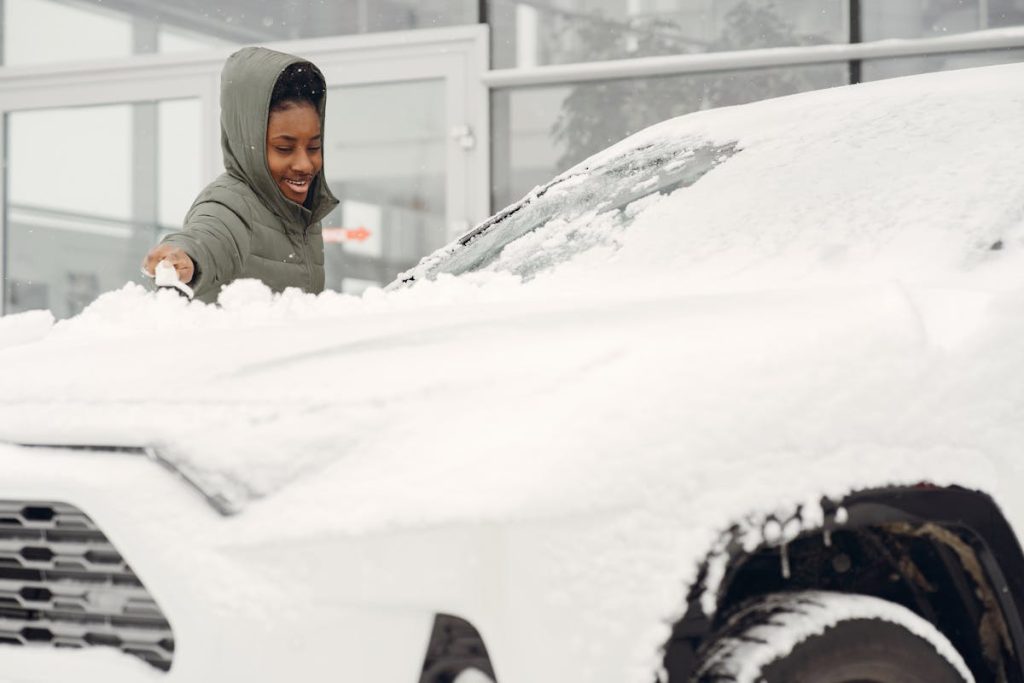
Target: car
737, 399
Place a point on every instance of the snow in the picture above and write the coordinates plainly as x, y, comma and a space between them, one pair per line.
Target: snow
841, 515
167, 276
811, 613
23, 328
855, 223
821, 312
90, 665
473, 676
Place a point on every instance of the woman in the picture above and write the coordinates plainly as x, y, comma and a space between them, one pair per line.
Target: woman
261, 218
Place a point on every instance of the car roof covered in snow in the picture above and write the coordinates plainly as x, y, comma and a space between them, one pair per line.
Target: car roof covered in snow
911, 178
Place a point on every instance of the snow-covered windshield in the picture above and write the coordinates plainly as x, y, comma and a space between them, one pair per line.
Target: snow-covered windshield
579, 210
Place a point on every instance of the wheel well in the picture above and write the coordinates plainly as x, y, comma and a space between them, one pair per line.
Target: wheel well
928, 569
455, 646
942, 566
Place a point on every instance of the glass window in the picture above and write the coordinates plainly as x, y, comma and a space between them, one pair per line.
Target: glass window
127, 172
1004, 13
877, 69
539, 132
179, 140
529, 32
170, 39
50, 31
39, 31
882, 19
386, 161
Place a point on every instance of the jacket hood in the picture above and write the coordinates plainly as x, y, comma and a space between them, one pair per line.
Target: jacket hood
246, 84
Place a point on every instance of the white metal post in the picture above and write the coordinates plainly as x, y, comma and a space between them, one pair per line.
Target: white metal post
3, 212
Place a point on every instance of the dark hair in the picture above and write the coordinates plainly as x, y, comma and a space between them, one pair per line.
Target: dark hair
300, 82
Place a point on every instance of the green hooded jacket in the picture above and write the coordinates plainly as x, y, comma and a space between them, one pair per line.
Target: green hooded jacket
241, 225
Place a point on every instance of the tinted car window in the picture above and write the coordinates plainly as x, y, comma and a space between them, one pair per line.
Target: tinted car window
581, 209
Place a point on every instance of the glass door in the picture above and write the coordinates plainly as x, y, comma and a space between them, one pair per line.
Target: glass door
405, 153
387, 164
90, 189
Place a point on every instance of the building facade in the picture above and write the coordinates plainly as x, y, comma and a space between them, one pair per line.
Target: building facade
439, 111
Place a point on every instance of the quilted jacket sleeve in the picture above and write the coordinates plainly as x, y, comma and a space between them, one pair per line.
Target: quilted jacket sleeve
217, 238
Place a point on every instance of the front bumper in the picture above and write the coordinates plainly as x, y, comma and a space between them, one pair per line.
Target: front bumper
233, 618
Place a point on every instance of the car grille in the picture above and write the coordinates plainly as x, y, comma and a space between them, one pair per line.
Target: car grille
63, 584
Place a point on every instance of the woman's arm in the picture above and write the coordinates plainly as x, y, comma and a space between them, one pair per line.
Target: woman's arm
209, 251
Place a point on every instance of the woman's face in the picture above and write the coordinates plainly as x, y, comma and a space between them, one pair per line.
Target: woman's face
294, 154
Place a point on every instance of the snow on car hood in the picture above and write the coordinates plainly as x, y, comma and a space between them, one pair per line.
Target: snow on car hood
649, 423
492, 383
811, 292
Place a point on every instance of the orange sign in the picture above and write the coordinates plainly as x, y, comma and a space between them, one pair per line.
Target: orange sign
334, 235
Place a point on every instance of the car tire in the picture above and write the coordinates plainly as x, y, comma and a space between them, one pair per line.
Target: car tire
821, 637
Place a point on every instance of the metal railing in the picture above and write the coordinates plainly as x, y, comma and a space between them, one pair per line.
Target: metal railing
766, 58
60, 219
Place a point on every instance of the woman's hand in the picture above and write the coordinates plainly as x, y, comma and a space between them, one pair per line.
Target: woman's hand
176, 257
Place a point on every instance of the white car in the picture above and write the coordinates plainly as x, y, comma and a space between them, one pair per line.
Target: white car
740, 398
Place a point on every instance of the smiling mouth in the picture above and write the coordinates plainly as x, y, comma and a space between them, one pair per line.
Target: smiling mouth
297, 185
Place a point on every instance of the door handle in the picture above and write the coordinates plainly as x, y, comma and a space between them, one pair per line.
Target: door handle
463, 134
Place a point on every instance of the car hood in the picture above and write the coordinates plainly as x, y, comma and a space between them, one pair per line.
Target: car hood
490, 406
